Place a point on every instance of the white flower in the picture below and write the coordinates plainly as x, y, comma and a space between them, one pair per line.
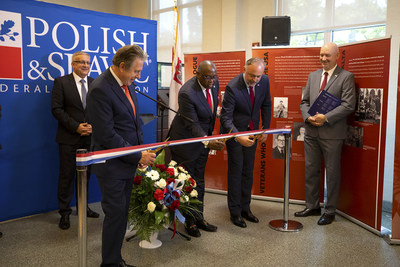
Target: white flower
142, 169
184, 199
172, 163
193, 193
176, 172
151, 206
154, 175
161, 183
181, 169
182, 176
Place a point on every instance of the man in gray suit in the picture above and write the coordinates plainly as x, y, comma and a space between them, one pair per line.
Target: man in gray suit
325, 132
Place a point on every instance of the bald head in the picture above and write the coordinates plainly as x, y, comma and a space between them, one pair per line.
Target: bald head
207, 74
328, 56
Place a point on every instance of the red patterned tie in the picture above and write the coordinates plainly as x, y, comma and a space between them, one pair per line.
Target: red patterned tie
251, 125
209, 99
324, 82
128, 95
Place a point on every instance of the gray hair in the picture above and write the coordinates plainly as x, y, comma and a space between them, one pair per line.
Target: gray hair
255, 60
79, 53
128, 54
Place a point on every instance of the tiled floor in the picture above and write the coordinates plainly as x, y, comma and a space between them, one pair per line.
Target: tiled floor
37, 241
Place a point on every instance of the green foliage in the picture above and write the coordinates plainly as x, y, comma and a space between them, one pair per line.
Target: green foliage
148, 219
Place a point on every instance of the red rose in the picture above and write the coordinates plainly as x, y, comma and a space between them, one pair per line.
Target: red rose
175, 193
175, 205
170, 180
192, 182
159, 194
161, 167
188, 189
170, 171
137, 180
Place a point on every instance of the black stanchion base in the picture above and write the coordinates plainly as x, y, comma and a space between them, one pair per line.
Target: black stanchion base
188, 238
285, 226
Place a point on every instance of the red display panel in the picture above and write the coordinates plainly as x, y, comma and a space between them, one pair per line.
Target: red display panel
396, 173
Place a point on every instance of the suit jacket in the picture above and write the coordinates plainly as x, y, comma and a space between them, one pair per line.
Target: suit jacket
193, 104
114, 125
341, 85
67, 108
236, 107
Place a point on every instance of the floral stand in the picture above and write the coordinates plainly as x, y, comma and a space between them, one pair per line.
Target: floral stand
154, 242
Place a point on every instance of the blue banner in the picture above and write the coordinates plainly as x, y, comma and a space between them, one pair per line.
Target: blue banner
37, 41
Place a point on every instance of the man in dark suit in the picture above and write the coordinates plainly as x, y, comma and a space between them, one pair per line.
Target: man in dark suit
68, 103
325, 132
246, 96
278, 152
198, 100
113, 111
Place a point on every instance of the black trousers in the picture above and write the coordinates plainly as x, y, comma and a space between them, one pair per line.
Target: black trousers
240, 176
116, 195
67, 179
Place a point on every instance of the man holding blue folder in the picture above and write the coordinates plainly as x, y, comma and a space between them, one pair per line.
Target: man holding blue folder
325, 131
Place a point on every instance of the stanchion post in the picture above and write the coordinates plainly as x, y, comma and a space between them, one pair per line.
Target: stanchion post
286, 225
82, 212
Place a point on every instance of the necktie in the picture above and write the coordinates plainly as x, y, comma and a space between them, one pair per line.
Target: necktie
83, 92
209, 100
324, 81
128, 95
251, 125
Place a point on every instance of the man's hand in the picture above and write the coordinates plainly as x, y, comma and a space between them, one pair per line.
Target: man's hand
317, 120
216, 145
147, 158
262, 138
245, 140
84, 129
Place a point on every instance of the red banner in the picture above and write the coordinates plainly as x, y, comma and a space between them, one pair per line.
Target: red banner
396, 173
364, 148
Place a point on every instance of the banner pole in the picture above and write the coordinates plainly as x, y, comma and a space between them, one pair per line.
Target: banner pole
286, 225
82, 212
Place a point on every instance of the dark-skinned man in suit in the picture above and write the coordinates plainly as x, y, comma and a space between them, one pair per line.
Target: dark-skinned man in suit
198, 100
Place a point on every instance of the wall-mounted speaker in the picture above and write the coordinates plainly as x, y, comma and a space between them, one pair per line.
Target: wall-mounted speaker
275, 30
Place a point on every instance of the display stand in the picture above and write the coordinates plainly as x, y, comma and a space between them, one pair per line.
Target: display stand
286, 225
82, 214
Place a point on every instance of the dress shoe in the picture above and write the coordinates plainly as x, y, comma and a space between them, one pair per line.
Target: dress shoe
123, 264
249, 216
1, 234
308, 212
193, 230
326, 219
204, 225
238, 221
64, 222
92, 214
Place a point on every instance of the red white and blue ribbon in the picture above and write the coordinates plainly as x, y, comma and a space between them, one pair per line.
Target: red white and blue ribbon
101, 156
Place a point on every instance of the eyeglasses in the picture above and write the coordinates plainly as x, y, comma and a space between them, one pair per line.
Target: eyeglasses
279, 140
210, 77
82, 62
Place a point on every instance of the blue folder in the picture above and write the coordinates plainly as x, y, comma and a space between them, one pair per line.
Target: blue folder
324, 103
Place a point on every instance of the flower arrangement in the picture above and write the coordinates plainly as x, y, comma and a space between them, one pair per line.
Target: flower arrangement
160, 195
